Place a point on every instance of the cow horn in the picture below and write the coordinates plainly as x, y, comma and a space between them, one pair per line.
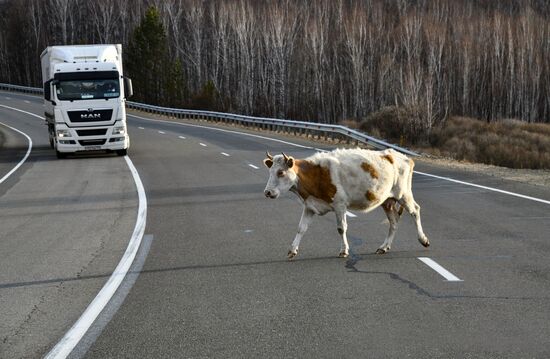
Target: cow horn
268, 155
285, 156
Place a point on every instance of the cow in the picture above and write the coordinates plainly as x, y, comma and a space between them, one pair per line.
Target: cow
356, 179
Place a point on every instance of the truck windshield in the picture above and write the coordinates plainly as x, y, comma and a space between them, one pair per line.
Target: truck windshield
87, 89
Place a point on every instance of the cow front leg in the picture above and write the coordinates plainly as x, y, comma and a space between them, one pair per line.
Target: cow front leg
307, 215
342, 226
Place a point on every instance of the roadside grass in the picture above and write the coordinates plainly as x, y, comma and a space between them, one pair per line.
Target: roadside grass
506, 143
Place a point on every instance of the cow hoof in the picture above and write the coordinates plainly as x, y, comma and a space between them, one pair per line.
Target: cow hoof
425, 242
343, 255
381, 251
292, 254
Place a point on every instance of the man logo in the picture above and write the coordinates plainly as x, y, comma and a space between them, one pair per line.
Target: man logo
90, 116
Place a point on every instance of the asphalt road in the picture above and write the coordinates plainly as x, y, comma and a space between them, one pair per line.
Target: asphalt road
215, 282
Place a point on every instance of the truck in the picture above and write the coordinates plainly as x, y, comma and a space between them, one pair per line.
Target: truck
85, 92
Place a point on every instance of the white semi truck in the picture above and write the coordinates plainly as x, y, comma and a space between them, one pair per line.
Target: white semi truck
84, 98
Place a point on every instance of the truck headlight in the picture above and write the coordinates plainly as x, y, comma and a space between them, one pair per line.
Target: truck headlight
119, 130
63, 133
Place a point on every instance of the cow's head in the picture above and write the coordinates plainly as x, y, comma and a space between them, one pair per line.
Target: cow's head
281, 175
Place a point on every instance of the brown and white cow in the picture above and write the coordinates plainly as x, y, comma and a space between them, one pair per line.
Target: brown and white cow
355, 179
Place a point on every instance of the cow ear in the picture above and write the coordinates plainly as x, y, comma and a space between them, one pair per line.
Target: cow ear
290, 162
268, 163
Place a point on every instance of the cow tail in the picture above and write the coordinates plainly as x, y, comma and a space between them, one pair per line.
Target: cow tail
410, 179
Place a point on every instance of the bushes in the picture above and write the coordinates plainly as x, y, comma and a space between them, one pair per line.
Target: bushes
507, 143
398, 124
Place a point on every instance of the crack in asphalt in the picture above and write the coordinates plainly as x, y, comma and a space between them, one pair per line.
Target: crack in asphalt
355, 258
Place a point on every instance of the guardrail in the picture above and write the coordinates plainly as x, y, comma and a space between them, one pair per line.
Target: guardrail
295, 127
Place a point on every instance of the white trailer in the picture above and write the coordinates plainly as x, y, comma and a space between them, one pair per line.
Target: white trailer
84, 98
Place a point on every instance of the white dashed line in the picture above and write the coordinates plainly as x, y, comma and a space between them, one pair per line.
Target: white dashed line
439, 269
255, 167
26, 101
349, 214
203, 145
8, 98
183, 138
226, 154
162, 132
141, 128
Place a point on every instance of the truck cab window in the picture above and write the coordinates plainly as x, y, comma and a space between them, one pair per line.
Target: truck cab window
87, 89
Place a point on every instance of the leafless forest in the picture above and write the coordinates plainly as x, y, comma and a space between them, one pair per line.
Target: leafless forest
323, 60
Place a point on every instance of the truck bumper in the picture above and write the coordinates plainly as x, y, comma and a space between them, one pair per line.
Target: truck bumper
98, 144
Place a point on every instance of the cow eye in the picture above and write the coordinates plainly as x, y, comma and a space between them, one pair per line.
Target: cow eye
280, 173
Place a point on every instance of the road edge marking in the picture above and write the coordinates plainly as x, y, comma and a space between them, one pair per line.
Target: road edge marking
69, 341
29, 149
485, 187
439, 269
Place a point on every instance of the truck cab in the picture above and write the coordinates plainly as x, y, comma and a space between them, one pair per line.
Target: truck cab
84, 98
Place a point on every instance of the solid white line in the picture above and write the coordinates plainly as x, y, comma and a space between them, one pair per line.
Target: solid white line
24, 134
485, 187
314, 148
203, 145
439, 269
64, 347
226, 154
162, 132
116, 301
255, 167
183, 138
28, 113
24, 158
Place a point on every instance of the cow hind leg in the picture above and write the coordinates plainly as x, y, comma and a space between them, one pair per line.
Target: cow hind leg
414, 209
393, 215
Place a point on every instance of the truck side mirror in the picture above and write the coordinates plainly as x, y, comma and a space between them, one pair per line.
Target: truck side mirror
48, 90
128, 89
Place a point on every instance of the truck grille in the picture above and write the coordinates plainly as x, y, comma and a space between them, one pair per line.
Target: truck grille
90, 116
94, 132
91, 142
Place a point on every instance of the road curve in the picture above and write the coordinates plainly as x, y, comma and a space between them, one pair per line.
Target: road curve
65, 225
216, 282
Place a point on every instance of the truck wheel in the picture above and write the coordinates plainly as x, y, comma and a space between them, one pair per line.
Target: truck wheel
123, 152
60, 155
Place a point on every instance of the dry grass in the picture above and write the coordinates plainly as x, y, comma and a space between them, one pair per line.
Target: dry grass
507, 143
